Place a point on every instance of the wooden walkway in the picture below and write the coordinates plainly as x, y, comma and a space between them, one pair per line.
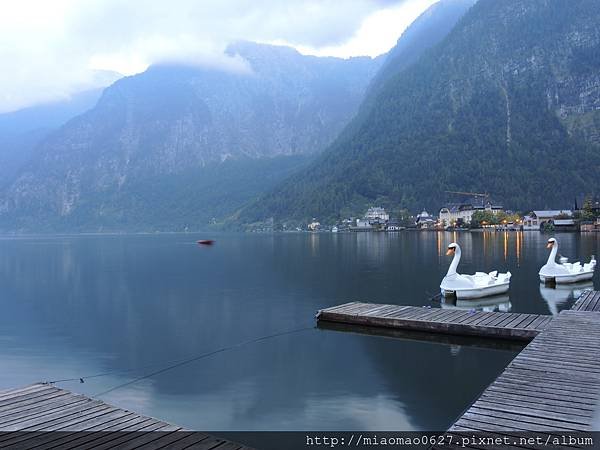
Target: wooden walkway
43, 416
552, 385
589, 301
514, 326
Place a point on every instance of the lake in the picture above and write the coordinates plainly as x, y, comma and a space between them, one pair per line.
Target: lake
126, 306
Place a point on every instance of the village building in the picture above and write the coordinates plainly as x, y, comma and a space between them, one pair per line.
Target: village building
454, 213
425, 221
314, 225
536, 220
376, 215
590, 226
394, 225
374, 219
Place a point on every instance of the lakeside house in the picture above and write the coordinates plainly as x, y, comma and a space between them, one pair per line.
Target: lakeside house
394, 225
559, 218
590, 226
314, 225
376, 218
362, 225
454, 213
377, 215
425, 221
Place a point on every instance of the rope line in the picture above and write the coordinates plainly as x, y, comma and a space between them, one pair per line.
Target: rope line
176, 363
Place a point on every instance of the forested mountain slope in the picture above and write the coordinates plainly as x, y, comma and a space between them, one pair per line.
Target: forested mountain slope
508, 103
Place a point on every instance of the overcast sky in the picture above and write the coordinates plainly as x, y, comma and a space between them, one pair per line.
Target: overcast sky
52, 49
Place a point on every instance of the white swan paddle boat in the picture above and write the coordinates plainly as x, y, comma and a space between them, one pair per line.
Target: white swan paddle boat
565, 272
472, 286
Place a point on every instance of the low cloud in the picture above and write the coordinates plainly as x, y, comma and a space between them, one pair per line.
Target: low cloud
50, 50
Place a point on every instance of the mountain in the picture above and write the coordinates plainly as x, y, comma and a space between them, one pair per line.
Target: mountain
508, 103
155, 141
428, 30
22, 130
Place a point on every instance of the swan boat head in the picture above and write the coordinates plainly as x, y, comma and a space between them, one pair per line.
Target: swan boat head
453, 250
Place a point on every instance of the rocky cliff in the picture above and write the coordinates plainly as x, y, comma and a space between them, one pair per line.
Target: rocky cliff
173, 119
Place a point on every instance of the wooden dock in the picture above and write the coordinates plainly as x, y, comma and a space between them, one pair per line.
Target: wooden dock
588, 301
552, 385
44, 416
502, 325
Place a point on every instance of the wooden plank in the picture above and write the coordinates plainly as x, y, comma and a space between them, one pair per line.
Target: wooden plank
465, 319
141, 440
484, 317
528, 319
384, 310
32, 403
372, 310
54, 411
396, 310
10, 393
508, 317
596, 306
42, 409
113, 419
122, 439
118, 433
436, 314
88, 423
538, 385
450, 315
497, 412
541, 397
593, 303
189, 441
520, 319
166, 440
59, 419
593, 299
339, 308
534, 404
47, 425
26, 396
540, 323
583, 299
471, 318
552, 385
410, 313
550, 395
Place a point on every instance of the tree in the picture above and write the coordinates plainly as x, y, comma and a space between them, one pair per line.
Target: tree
587, 212
481, 218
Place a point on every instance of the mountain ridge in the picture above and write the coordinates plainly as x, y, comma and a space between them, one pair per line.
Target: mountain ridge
175, 118
500, 106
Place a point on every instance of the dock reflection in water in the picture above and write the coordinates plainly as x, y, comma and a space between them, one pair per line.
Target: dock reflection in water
561, 296
489, 304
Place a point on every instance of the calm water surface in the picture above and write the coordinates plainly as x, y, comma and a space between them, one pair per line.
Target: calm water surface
77, 306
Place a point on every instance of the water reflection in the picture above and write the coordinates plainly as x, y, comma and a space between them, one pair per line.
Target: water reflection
518, 245
494, 303
74, 306
558, 297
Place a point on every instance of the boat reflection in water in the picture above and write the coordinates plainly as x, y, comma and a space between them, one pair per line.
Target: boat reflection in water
558, 295
489, 304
